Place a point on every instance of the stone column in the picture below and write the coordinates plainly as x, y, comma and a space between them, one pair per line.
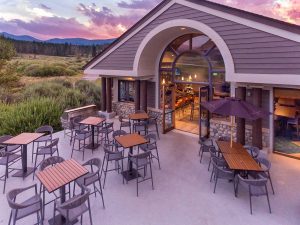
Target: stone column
137, 98
241, 123
103, 94
108, 95
144, 95
257, 124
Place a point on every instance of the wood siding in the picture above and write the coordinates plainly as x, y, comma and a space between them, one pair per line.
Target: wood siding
253, 51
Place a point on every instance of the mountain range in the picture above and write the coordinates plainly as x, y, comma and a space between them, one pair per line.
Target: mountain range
72, 41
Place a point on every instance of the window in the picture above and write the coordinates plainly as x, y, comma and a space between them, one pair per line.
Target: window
126, 91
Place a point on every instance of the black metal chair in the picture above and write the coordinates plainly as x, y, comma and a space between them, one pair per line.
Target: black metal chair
44, 151
151, 146
81, 136
91, 178
256, 187
204, 147
104, 131
140, 127
7, 159
8, 148
124, 123
48, 130
46, 163
118, 133
213, 153
153, 120
221, 172
112, 155
30, 206
266, 166
141, 162
74, 207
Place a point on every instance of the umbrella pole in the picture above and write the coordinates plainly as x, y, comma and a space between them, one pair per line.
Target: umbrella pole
231, 132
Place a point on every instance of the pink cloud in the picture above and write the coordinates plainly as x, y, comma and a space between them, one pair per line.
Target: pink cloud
139, 4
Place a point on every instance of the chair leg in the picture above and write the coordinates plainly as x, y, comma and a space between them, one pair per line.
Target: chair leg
101, 192
271, 183
158, 159
151, 176
250, 203
268, 200
10, 216
5, 178
44, 204
34, 168
73, 148
216, 183
32, 153
137, 184
201, 156
90, 214
105, 172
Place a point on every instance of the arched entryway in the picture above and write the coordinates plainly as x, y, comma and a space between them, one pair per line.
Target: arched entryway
191, 70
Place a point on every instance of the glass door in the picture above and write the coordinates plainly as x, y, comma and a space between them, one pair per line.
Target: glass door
168, 97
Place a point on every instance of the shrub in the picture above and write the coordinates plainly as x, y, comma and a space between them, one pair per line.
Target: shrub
35, 70
43, 89
29, 115
91, 90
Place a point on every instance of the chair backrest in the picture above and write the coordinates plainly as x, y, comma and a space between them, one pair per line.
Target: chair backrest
118, 133
218, 162
258, 182
151, 137
212, 150
53, 143
44, 129
12, 194
254, 151
76, 201
266, 163
4, 138
141, 156
50, 162
93, 162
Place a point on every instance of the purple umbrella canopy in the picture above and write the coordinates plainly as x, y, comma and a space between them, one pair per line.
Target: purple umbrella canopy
235, 107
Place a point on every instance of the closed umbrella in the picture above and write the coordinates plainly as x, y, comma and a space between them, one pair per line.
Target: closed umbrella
235, 107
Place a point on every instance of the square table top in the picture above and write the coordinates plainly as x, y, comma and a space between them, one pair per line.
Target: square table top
92, 120
236, 148
61, 174
131, 140
139, 116
23, 139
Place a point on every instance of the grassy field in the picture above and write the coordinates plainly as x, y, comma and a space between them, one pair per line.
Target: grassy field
38, 68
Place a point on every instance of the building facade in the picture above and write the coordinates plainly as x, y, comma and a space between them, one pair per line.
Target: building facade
187, 51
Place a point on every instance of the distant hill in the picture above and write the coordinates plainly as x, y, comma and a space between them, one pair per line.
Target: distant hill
72, 41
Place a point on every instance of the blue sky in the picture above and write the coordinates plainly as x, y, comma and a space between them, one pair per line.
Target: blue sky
96, 19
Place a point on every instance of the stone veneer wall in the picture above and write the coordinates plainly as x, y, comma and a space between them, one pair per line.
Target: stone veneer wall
126, 108
219, 128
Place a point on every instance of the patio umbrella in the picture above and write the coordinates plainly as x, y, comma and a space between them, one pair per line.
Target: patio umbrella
235, 107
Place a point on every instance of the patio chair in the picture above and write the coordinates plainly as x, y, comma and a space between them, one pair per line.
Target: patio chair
124, 123
104, 131
7, 159
253, 151
66, 125
44, 151
46, 163
48, 130
81, 137
92, 178
139, 127
151, 146
213, 153
118, 133
141, 162
111, 155
205, 146
266, 166
8, 148
220, 172
153, 120
76, 125
30, 206
74, 207
256, 187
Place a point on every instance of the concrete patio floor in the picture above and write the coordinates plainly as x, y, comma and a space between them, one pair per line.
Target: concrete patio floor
183, 194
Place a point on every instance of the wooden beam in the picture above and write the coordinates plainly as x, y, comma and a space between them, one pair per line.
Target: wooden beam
103, 94
257, 124
143, 93
241, 123
137, 99
108, 95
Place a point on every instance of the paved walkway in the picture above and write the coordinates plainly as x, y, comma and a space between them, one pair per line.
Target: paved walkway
183, 194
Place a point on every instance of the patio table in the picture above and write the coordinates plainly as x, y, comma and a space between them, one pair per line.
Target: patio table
129, 141
92, 121
23, 139
139, 116
237, 157
57, 177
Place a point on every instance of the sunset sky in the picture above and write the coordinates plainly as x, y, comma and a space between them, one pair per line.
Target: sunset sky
101, 19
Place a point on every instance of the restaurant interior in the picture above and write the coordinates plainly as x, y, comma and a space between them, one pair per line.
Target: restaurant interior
287, 122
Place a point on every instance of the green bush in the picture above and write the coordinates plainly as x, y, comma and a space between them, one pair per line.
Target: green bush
43, 89
29, 115
35, 70
91, 90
